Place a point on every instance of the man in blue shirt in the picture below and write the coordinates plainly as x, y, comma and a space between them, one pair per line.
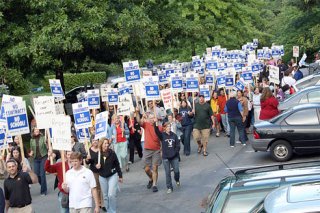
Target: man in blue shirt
235, 116
297, 73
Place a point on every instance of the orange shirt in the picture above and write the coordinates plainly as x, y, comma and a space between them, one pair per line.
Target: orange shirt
151, 140
222, 103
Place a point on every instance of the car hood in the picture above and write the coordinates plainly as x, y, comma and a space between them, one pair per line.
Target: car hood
263, 124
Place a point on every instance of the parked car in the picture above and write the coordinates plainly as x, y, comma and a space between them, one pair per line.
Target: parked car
307, 81
246, 189
295, 130
307, 95
295, 198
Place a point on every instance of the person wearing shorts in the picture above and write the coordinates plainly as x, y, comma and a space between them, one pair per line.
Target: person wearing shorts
152, 147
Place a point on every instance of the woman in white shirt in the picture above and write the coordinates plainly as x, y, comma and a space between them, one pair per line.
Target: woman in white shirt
256, 103
289, 80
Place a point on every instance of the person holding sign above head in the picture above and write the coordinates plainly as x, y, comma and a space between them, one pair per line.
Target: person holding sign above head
38, 146
201, 127
151, 153
109, 175
16, 188
16, 155
57, 169
81, 186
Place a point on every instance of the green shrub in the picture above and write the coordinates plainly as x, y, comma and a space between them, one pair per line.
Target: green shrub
15, 81
75, 80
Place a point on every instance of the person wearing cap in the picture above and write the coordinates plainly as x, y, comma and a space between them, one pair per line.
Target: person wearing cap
201, 128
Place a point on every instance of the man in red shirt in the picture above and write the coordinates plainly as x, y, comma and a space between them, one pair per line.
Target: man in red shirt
222, 100
57, 168
152, 148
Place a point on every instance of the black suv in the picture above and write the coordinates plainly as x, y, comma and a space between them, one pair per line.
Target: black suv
246, 189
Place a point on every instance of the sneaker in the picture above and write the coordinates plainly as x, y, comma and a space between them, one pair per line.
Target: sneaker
238, 141
154, 188
218, 134
169, 191
149, 184
178, 183
130, 162
244, 144
232, 146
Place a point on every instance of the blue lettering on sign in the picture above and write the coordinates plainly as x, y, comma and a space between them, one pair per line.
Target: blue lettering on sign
177, 84
132, 75
192, 84
100, 127
81, 133
237, 66
196, 63
162, 78
123, 91
17, 122
239, 86
247, 76
94, 101
209, 79
229, 81
216, 53
82, 118
152, 91
255, 68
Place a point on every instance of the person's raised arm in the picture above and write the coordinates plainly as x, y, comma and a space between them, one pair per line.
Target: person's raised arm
157, 131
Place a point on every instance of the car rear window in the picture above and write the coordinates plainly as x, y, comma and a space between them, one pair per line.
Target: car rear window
243, 202
303, 117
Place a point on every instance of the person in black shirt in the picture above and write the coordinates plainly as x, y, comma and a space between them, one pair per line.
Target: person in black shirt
92, 161
2, 201
16, 188
108, 168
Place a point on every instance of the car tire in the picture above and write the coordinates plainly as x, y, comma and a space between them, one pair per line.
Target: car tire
281, 150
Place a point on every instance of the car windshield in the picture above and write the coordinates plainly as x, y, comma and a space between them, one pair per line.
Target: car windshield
243, 202
310, 82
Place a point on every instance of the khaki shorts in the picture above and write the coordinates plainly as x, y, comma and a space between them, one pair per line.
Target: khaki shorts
26, 209
152, 157
82, 210
201, 137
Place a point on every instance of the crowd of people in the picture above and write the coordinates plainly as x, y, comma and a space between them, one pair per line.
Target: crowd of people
154, 134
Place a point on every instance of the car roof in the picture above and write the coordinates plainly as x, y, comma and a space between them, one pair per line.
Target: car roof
293, 198
306, 106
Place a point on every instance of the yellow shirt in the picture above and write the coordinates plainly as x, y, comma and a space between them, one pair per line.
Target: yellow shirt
214, 105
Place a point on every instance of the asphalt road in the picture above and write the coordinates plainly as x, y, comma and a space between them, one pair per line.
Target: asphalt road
199, 176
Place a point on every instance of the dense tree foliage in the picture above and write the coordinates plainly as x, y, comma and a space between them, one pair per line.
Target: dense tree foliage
41, 36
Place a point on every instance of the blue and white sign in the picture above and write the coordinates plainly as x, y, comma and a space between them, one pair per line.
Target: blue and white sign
3, 121
211, 65
83, 134
2, 138
216, 53
196, 63
260, 54
255, 43
113, 97
81, 115
229, 81
177, 83
210, 79
101, 125
152, 88
255, 68
169, 71
56, 89
82, 97
131, 71
192, 82
162, 77
93, 99
237, 66
240, 85
204, 90
124, 88
247, 76
17, 118
221, 80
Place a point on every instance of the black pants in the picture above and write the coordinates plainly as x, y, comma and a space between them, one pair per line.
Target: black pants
134, 141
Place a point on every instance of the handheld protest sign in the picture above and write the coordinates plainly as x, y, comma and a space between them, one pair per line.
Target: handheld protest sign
17, 119
113, 97
240, 85
124, 88
166, 97
229, 81
101, 125
125, 106
93, 99
131, 71
103, 92
44, 108
61, 133
204, 90
210, 79
56, 89
162, 77
176, 82
247, 75
152, 88
221, 80
274, 74
82, 134
192, 82
81, 115
82, 97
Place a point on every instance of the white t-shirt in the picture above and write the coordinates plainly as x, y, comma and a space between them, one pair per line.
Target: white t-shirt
80, 184
288, 80
256, 100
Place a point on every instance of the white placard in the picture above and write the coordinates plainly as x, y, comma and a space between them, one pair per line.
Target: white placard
274, 74
61, 133
44, 109
295, 51
104, 92
125, 105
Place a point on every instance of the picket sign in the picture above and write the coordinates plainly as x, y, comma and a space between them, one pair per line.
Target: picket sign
125, 106
131, 71
113, 96
93, 99
56, 89
167, 99
274, 74
205, 91
101, 125
152, 87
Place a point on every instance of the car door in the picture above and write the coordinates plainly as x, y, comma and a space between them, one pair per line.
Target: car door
314, 96
302, 129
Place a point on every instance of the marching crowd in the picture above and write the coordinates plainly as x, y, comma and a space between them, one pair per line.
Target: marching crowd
154, 134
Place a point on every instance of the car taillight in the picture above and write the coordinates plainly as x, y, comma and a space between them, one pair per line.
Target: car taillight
256, 135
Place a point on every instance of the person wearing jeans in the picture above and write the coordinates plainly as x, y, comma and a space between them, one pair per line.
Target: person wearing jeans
109, 175
39, 152
235, 115
222, 100
170, 153
187, 126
